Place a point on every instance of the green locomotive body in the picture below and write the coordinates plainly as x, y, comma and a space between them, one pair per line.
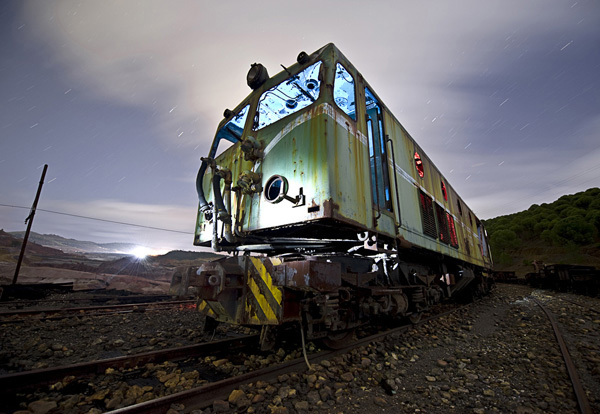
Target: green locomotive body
324, 180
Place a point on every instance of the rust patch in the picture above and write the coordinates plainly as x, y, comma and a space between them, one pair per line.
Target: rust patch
328, 208
404, 243
358, 279
313, 209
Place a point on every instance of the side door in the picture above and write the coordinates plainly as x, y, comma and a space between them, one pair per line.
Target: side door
378, 157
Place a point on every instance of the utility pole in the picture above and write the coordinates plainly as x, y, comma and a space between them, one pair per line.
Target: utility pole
29, 221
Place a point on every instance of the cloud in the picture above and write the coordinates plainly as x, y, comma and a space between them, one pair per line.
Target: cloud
159, 226
448, 70
187, 60
530, 178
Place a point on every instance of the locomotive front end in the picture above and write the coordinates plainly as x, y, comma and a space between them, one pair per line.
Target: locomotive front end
293, 177
261, 182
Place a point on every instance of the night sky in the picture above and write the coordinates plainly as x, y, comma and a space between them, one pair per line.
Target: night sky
122, 98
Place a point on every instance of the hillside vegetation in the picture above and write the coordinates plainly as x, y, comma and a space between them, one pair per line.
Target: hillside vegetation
566, 231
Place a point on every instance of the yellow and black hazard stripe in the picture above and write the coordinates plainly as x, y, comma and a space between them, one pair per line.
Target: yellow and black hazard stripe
215, 310
263, 299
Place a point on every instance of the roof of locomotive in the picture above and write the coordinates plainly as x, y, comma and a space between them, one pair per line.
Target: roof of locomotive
331, 53
283, 75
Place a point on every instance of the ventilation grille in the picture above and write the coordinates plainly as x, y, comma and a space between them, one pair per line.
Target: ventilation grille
427, 215
443, 223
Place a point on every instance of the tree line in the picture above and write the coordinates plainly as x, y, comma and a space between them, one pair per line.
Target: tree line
570, 221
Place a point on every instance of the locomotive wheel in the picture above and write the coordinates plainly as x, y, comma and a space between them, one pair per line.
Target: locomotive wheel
415, 317
268, 338
337, 340
210, 324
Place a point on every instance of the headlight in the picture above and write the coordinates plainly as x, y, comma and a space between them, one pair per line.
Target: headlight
276, 189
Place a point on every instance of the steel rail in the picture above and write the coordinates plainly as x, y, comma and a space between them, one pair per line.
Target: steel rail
578, 304
582, 401
29, 312
34, 378
554, 295
94, 298
58, 317
203, 396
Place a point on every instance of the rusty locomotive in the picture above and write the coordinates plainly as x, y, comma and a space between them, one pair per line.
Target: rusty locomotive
331, 213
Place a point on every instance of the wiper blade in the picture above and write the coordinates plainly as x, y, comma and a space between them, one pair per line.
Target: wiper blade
305, 93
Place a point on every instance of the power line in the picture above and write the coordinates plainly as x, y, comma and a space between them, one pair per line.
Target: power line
98, 219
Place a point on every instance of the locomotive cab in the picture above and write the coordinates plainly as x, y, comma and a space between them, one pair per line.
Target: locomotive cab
289, 180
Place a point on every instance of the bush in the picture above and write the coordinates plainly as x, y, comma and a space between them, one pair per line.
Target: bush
504, 239
573, 229
572, 220
541, 226
584, 201
595, 205
547, 236
593, 218
572, 211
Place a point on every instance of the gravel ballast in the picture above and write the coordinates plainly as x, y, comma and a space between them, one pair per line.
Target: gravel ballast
497, 355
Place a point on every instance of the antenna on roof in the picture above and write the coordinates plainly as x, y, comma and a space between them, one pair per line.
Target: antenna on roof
288, 72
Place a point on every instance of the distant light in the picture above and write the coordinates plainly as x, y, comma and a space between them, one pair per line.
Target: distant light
140, 252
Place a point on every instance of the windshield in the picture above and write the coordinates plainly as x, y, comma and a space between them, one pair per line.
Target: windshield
291, 95
231, 131
343, 91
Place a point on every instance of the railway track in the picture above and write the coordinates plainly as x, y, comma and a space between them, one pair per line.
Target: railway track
578, 304
96, 299
567, 337
20, 383
560, 296
484, 361
16, 316
576, 331
582, 400
220, 384
200, 396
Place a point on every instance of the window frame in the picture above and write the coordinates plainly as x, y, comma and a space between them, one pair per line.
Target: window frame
322, 83
444, 190
443, 226
417, 157
214, 151
452, 230
356, 106
380, 143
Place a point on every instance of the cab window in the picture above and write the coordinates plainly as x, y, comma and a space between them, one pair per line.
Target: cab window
343, 91
231, 132
290, 96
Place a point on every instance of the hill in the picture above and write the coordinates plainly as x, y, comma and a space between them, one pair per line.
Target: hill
566, 231
74, 246
94, 270
10, 248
